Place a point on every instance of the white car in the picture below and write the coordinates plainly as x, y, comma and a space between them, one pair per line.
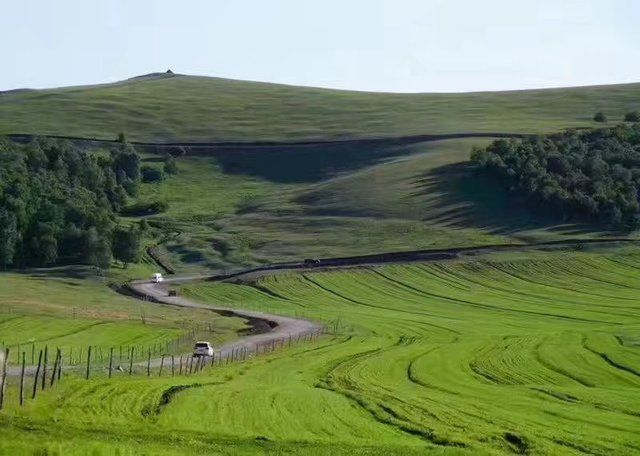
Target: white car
157, 277
202, 349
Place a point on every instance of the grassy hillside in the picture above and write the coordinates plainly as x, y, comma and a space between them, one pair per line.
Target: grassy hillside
243, 209
57, 310
511, 354
188, 108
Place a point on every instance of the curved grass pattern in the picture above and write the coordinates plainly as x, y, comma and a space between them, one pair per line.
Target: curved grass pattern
527, 356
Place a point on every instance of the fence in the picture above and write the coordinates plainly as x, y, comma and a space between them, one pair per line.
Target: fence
47, 375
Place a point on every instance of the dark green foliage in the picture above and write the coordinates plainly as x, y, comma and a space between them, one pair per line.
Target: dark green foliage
170, 164
633, 116
145, 208
590, 175
600, 117
126, 244
125, 163
58, 203
144, 225
151, 174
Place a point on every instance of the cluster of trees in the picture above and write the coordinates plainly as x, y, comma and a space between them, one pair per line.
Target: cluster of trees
155, 174
589, 175
58, 204
633, 116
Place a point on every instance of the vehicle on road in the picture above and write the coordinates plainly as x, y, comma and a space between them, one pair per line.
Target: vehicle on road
157, 277
202, 349
311, 262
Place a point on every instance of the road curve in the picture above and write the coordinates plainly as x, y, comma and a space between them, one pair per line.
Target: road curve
280, 328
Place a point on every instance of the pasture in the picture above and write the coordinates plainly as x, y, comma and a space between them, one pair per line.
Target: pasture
531, 353
172, 108
248, 208
73, 313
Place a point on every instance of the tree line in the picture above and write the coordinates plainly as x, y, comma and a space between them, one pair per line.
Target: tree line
590, 175
59, 204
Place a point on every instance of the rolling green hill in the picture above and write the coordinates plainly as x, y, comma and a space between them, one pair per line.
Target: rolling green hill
163, 108
510, 354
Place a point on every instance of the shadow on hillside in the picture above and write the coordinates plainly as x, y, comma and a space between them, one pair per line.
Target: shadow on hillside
306, 163
61, 272
467, 199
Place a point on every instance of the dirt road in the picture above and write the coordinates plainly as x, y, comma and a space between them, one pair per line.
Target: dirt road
271, 328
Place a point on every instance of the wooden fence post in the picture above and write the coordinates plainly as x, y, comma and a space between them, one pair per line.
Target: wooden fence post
131, 362
55, 369
88, 363
149, 363
173, 366
161, 366
24, 362
44, 367
110, 361
3, 377
35, 379
60, 366
180, 372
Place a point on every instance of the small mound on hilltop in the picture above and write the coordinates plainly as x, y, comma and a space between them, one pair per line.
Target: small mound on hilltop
156, 75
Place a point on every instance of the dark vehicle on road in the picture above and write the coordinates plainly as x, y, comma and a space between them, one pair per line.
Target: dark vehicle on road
311, 262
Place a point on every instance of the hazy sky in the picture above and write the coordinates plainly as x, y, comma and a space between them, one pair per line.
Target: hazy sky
385, 45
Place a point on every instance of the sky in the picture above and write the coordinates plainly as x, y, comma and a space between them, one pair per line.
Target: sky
371, 45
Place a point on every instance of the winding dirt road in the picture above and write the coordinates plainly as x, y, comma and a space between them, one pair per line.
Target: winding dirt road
276, 328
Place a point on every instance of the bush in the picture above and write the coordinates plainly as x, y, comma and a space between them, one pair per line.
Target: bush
633, 116
600, 117
170, 165
151, 174
145, 208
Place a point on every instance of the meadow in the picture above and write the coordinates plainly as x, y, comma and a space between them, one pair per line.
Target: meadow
40, 309
535, 353
234, 210
172, 108
528, 353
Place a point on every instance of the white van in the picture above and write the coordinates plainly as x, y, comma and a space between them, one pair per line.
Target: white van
202, 349
157, 277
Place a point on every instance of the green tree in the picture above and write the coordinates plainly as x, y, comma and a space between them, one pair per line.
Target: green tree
633, 116
97, 251
126, 245
8, 237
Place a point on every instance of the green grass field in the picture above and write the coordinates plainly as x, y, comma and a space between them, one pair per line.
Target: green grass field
527, 353
352, 202
507, 354
189, 108
42, 310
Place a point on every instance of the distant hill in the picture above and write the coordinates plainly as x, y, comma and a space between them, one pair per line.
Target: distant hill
171, 107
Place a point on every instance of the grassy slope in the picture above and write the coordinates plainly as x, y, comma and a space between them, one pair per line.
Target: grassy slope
437, 356
39, 310
402, 198
187, 108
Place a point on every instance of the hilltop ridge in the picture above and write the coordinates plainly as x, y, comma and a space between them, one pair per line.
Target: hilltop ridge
166, 107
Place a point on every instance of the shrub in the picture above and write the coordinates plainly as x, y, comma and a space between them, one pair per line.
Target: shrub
170, 164
151, 174
600, 117
633, 116
145, 208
